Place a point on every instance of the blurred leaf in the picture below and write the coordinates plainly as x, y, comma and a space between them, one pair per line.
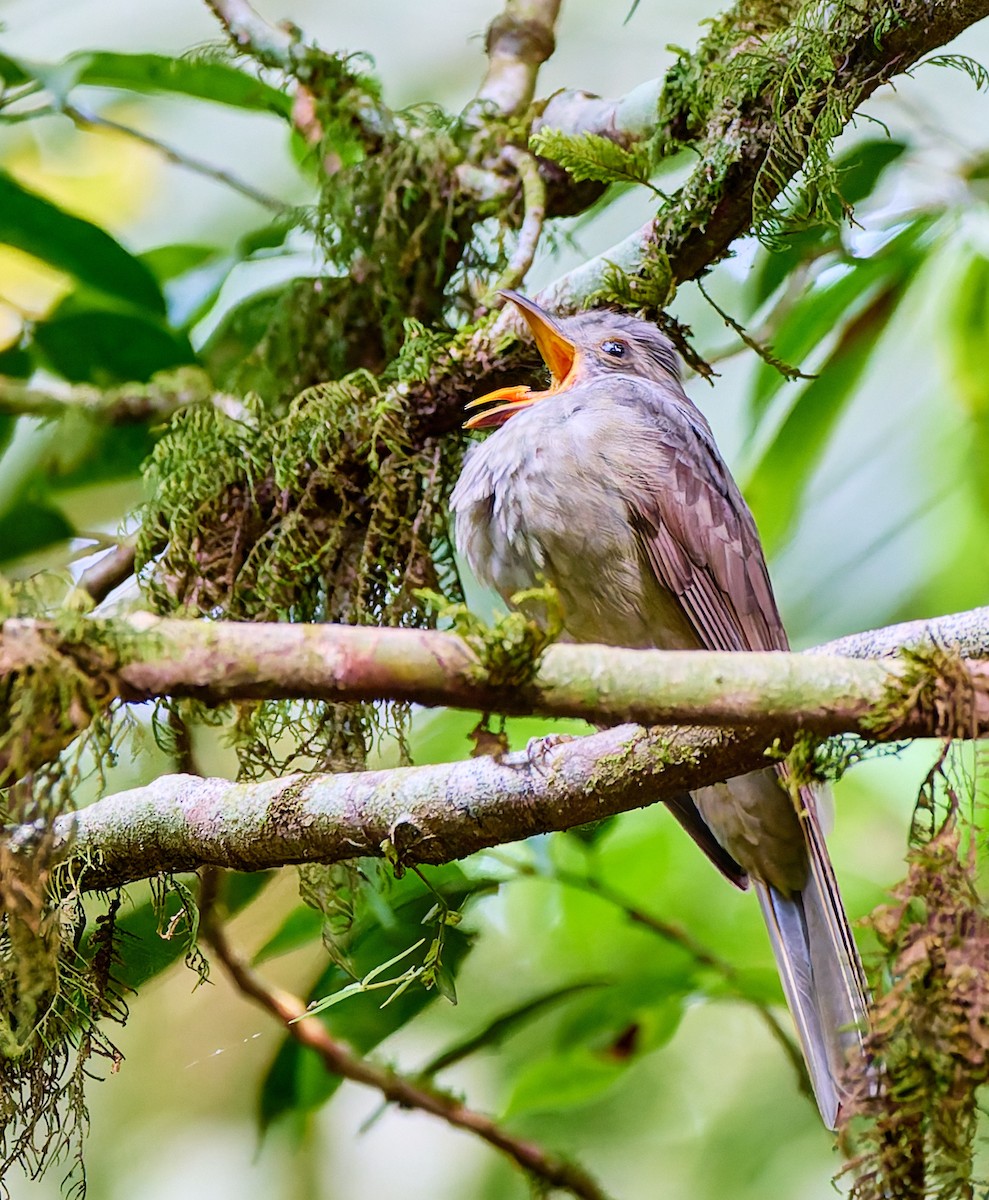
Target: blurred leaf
238, 334
293, 1083
816, 315
777, 484
30, 526
81, 249
144, 953
821, 309
166, 262
104, 347
218, 82
12, 72
795, 249
15, 363
563, 1081
966, 330
504, 1025
599, 1037
90, 453
861, 167
303, 926
859, 171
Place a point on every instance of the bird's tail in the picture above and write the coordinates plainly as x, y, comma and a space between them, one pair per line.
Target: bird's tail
821, 973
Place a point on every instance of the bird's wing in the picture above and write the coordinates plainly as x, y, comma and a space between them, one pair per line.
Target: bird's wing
699, 537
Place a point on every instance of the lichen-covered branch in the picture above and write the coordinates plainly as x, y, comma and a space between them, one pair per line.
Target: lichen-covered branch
748, 148
218, 661
752, 147
518, 42
339, 1059
967, 633
431, 814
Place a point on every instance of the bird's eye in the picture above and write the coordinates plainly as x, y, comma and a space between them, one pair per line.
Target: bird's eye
614, 348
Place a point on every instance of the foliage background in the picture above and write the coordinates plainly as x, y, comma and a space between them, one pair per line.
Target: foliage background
892, 517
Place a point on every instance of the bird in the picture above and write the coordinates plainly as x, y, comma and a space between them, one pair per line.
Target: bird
608, 485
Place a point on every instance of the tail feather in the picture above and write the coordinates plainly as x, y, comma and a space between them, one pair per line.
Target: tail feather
821, 972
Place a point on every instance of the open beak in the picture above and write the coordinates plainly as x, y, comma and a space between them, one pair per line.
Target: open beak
559, 354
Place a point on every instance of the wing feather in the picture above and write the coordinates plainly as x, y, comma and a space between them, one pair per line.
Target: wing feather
700, 539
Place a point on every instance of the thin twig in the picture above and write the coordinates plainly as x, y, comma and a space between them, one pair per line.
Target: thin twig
534, 205
109, 572
249, 31
339, 1059
90, 120
764, 351
128, 403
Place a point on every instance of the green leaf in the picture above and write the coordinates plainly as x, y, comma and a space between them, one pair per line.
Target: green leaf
30, 526
823, 307
563, 1081
15, 363
599, 1038
296, 1080
168, 262
966, 328
777, 484
860, 168
144, 953
302, 927
217, 82
83, 250
13, 73
505, 1024
589, 156
104, 347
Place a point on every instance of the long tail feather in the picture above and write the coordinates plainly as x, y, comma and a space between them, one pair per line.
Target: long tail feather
821, 974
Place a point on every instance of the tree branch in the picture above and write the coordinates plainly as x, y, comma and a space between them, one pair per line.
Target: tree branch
130, 403
518, 42
339, 1059
219, 661
249, 31
111, 570
534, 201
432, 814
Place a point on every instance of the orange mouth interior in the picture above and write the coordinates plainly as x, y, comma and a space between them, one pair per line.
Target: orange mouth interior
559, 353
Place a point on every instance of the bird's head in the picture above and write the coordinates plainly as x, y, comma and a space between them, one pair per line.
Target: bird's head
591, 345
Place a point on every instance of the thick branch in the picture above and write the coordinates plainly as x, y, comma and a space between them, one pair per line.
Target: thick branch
339, 1059
867, 57
967, 633
218, 661
700, 222
428, 814
624, 120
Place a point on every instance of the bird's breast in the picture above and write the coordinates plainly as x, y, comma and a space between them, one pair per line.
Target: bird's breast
543, 500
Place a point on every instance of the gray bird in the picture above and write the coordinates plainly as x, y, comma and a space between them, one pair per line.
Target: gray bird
608, 484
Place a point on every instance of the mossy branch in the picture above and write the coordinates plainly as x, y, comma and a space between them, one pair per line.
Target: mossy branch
146, 657
430, 814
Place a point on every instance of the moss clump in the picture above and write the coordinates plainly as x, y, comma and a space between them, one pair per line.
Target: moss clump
929, 1039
